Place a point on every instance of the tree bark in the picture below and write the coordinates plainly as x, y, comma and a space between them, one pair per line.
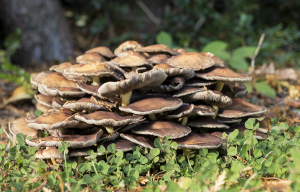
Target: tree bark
46, 36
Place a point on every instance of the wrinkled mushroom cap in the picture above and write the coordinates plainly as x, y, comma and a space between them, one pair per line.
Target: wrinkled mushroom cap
173, 84
152, 104
104, 51
89, 57
79, 152
187, 91
122, 145
127, 45
42, 108
206, 122
44, 100
240, 108
184, 110
197, 82
61, 67
84, 104
217, 60
160, 58
20, 125
202, 110
173, 71
131, 60
162, 129
198, 141
159, 48
194, 61
228, 120
138, 139
50, 152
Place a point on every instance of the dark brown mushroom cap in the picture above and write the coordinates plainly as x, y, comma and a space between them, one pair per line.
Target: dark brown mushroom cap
127, 45
129, 127
108, 137
162, 129
184, 110
61, 67
44, 100
42, 108
240, 108
57, 103
211, 97
220, 135
75, 141
206, 122
81, 152
54, 119
194, 61
198, 141
187, 91
139, 139
202, 110
159, 48
89, 57
142, 81
217, 60
173, 71
228, 120
122, 145
93, 69
196, 82
84, 104
152, 104
222, 74
174, 84
93, 90
156, 59
241, 128
234, 89
50, 152
70, 92
103, 51
131, 61
105, 118
20, 125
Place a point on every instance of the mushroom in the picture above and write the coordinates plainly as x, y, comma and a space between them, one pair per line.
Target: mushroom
196, 82
60, 68
157, 59
42, 108
50, 153
157, 49
44, 100
228, 120
217, 61
89, 57
108, 137
176, 83
173, 71
127, 45
207, 122
183, 111
103, 51
138, 139
234, 89
187, 91
84, 104
20, 125
121, 145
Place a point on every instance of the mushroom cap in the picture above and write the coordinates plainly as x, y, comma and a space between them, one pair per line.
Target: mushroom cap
162, 129
89, 57
20, 125
79, 152
129, 127
187, 91
184, 110
70, 92
103, 51
222, 74
152, 104
217, 60
211, 97
175, 84
36, 80
234, 89
207, 122
122, 145
54, 119
202, 110
198, 141
139, 139
194, 61
42, 108
142, 81
93, 69
131, 60
50, 152
264, 124
44, 100
156, 59
30, 117
180, 50
196, 82
83, 79
158, 48
228, 120
127, 45
61, 67
129, 53
84, 104
240, 108
109, 137
57, 103
241, 128
75, 141
105, 118
173, 71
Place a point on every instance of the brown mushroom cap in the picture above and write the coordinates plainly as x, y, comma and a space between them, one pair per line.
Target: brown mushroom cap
228, 120
89, 57
198, 141
206, 122
20, 125
159, 48
57, 102
202, 110
234, 89
139, 139
79, 152
42, 108
173, 71
240, 108
211, 97
108, 137
180, 50
127, 45
156, 59
184, 110
103, 51
75, 141
50, 152
70, 92
152, 104
83, 79
129, 53
241, 128
194, 61
217, 60
54, 119
84, 104
187, 91
162, 129
122, 145
105, 118
175, 84
30, 117
142, 81
134, 60
61, 67
196, 82
44, 100
222, 74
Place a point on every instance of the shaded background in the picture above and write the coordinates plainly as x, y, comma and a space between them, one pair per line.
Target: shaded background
55, 31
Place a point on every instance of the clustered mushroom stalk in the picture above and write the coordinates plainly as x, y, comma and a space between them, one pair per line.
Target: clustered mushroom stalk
126, 98
184, 121
219, 87
96, 80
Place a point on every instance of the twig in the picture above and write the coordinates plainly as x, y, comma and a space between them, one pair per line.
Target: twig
248, 181
257, 50
7, 135
266, 157
148, 12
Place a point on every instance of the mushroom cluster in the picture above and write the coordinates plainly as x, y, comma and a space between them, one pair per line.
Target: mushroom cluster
134, 95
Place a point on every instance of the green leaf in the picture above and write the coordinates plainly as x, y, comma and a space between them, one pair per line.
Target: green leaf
37, 112
257, 153
249, 123
164, 38
238, 63
188, 49
243, 52
249, 87
111, 148
222, 55
12, 41
215, 46
143, 160
232, 151
101, 149
157, 143
265, 89
174, 145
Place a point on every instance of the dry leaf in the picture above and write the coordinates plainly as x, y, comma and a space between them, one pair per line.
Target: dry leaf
219, 182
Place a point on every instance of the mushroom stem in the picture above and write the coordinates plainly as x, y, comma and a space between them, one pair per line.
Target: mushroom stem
109, 130
216, 109
96, 80
161, 139
40, 133
53, 161
184, 121
133, 69
219, 86
126, 98
152, 116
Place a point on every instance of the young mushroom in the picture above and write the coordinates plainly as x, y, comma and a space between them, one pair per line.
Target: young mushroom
50, 153
89, 57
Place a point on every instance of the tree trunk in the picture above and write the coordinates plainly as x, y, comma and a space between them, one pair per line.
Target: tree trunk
46, 36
